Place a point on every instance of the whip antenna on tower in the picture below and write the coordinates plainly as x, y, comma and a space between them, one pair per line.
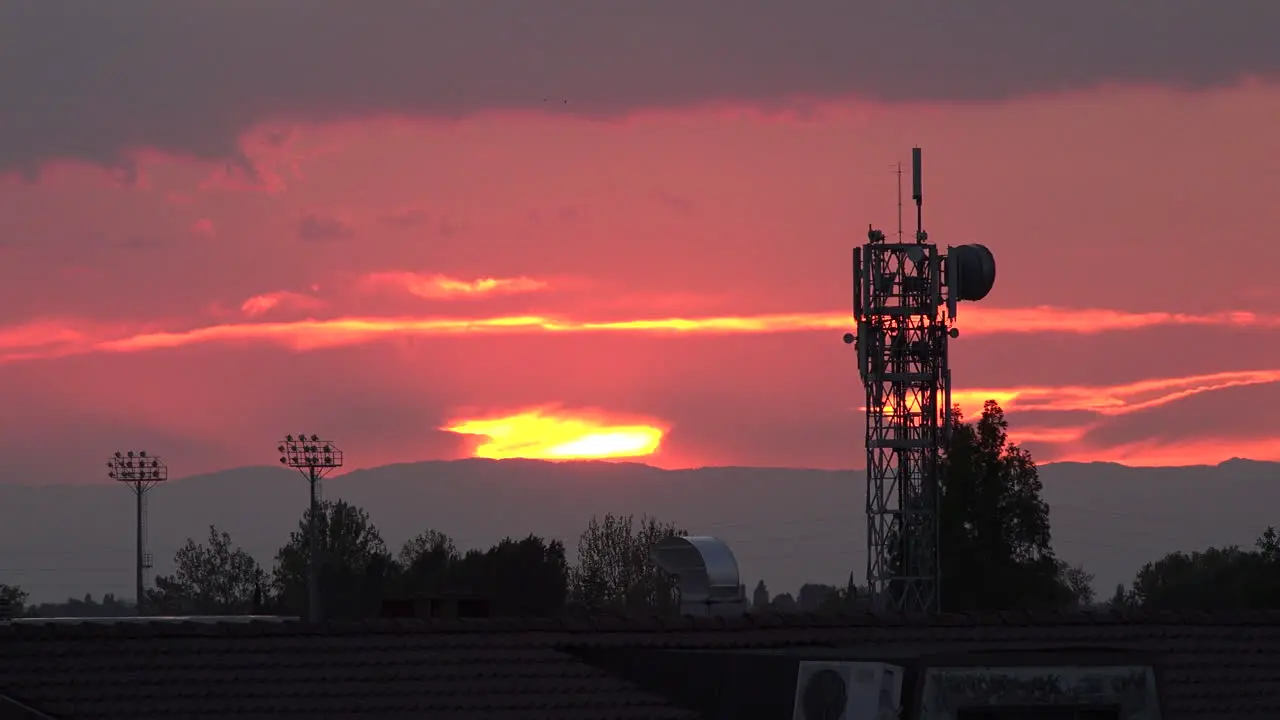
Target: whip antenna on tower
904, 304
917, 191
140, 472
899, 173
314, 458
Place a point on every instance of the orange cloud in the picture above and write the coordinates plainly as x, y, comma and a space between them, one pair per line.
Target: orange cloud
549, 433
1121, 399
1049, 435
311, 334
1110, 400
282, 300
36, 335
442, 287
1187, 451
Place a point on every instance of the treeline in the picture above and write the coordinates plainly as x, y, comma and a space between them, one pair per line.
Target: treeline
531, 576
995, 546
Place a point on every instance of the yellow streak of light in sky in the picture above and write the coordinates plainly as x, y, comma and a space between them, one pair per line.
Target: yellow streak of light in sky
550, 434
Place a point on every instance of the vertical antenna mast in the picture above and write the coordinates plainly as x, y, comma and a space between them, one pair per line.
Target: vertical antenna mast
917, 193
899, 202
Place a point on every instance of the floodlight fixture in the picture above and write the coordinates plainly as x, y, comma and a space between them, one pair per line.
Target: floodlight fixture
314, 458
140, 472
135, 468
309, 454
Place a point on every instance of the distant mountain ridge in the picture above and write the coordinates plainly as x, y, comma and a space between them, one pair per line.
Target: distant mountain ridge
786, 525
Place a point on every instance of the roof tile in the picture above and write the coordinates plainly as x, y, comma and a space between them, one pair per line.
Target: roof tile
1212, 665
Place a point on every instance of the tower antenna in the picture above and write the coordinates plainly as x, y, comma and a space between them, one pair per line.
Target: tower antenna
314, 458
140, 472
899, 172
917, 193
904, 303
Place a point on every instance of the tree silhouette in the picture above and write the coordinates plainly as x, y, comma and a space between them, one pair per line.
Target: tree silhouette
815, 596
110, 606
355, 567
785, 603
845, 599
614, 570
13, 600
528, 577
1227, 578
426, 561
760, 597
1078, 583
1121, 599
994, 527
211, 578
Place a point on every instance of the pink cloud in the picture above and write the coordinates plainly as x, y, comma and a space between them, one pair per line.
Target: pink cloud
279, 300
204, 226
313, 333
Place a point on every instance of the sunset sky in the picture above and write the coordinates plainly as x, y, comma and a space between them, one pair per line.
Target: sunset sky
402, 224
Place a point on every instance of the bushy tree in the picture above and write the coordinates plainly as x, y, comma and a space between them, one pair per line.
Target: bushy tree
528, 577
211, 578
1078, 583
426, 561
994, 527
1228, 578
13, 600
355, 566
614, 570
1121, 599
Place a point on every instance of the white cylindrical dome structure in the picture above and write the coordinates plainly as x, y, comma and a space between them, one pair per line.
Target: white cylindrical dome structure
707, 573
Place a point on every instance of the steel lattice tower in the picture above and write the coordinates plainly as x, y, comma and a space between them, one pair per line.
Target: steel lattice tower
904, 303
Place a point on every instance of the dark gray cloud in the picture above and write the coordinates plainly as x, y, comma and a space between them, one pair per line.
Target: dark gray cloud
93, 81
405, 219
321, 228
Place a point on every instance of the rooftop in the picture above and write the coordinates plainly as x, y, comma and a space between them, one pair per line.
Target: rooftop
1211, 665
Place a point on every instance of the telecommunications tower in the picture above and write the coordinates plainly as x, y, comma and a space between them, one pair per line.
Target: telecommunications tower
140, 472
904, 303
314, 458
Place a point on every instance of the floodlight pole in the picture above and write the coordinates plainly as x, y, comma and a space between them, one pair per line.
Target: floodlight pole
140, 561
140, 472
313, 554
314, 458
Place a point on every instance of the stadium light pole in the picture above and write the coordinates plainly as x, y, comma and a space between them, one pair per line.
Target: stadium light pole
314, 458
140, 472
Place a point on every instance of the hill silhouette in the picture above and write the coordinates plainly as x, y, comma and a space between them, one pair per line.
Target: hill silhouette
787, 525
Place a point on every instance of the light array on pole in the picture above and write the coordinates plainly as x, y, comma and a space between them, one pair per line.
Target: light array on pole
140, 472
312, 457
305, 452
137, 467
